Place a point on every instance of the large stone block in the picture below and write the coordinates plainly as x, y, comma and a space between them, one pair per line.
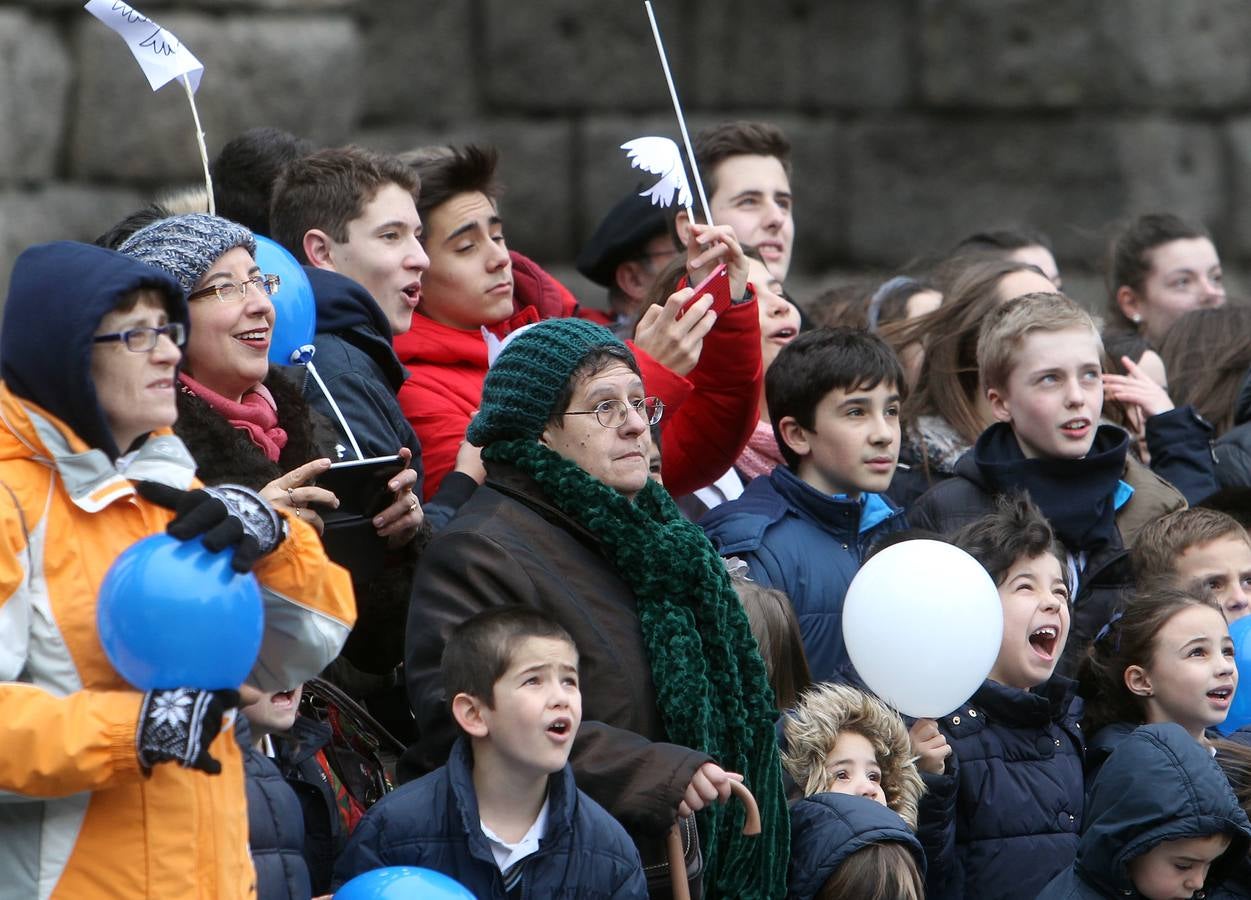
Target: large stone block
35, 75
572, 55
58, 211
423, 61
1065, 53
301, 74
606, 173
801, 54
1238, 142
917, 185
535, 170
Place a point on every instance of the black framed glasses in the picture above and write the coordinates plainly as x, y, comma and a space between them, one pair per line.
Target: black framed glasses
231, 291
141, 340
613, 413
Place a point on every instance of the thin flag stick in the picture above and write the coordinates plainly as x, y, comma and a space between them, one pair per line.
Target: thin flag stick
677, 108
199, 136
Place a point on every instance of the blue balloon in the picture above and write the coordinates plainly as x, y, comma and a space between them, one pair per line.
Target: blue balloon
295, 312
403, 883
1240, 708
171, 614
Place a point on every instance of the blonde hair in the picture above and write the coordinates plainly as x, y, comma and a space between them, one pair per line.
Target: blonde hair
827, 710
1007, 325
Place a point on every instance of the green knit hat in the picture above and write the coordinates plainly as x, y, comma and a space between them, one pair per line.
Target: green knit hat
523, 386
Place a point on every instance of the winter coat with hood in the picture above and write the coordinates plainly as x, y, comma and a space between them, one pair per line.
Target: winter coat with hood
434, 823
1008, 808
807, 544
78, 816
1096, 505
828, 828
510, 545
1159, 785
707, 418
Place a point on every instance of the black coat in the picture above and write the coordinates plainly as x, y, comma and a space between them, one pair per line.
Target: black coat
275, 826
324, 836
1011, 823
508, 546
1159, 785
1106, 577
434, 823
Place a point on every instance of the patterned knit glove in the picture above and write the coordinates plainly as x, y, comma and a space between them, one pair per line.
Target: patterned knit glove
180, 724
228, 515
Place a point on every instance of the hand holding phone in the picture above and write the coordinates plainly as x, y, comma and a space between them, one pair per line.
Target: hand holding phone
717, 284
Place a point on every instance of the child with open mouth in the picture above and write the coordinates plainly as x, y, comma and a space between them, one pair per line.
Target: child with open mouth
1004, 771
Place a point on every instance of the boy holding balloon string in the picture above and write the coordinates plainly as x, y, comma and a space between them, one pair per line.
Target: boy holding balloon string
1004, 771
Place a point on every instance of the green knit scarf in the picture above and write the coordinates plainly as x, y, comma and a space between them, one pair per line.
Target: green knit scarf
711, 685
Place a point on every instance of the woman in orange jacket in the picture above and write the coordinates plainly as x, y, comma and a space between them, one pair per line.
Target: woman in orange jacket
106, 791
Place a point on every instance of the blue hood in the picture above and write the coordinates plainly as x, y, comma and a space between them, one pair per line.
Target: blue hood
828, 828
58, 294
1158, 785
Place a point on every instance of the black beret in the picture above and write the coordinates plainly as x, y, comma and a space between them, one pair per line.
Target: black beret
628, 226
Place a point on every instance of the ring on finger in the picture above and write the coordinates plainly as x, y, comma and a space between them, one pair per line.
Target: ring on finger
291, 496
412, 507
299, 512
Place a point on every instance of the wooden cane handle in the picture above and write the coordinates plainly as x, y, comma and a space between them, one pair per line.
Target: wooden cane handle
677, 865
751, 825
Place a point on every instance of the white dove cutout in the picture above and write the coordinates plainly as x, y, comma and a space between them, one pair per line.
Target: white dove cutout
660, 156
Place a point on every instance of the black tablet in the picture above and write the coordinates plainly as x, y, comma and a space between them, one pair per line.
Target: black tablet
361, 484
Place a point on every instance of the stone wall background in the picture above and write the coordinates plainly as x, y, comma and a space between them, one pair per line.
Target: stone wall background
914, 121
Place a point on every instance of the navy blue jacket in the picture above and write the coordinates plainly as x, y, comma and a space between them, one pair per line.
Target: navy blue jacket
1008, 810
807, 544
324, 836
434, 822
1159, 785
1103, 512
275, 826
356, 361
828, 828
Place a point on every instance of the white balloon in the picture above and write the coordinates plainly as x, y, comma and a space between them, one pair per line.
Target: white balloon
923, 623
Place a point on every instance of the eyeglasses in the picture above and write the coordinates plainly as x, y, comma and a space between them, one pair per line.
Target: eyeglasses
613, 413
141, 340
232, 291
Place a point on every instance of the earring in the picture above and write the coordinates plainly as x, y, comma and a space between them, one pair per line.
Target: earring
1137, 318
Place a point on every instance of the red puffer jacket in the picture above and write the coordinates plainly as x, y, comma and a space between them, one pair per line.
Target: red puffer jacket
707, 419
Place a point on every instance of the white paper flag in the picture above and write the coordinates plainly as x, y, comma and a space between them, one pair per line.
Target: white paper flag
161, 56
660, 156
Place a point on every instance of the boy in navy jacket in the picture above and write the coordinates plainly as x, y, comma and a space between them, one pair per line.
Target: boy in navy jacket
1039, 363
504, 817
833, 396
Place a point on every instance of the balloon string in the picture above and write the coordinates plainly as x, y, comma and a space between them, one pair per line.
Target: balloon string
677, 108
312, 370
199, 136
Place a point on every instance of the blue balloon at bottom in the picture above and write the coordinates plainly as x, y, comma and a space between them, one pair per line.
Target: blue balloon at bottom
403, 883
1240, 708
171, 614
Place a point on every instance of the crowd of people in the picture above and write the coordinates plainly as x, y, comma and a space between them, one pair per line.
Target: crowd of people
602, 591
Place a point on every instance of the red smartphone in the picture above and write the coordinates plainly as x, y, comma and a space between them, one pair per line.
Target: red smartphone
717, 284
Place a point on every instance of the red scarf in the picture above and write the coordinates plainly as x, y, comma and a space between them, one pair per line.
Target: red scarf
761, 455
255, 414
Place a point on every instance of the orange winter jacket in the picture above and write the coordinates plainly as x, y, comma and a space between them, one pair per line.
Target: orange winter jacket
78, 818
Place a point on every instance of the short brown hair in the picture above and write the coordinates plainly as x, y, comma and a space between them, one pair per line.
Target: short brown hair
449, 171
825, 711
330, 188
1007, 325
883, 870
1162, 541
481, 648
716, 144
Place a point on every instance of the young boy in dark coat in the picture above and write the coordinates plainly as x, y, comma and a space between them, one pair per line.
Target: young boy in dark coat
1038, 359
834, 396
1005, 807
1162, 821
504, 816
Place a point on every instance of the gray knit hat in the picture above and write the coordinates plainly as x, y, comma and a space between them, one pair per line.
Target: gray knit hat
186, 246
521, 390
